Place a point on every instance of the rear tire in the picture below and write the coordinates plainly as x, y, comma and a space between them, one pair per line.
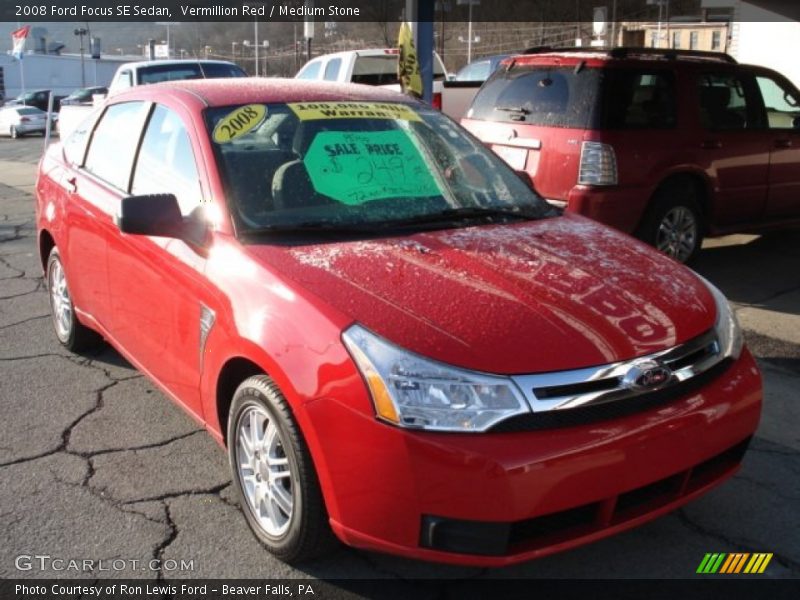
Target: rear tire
673, 223
273, 474
72, 334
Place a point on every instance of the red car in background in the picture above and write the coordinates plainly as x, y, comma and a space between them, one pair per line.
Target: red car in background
667, 145
395, 338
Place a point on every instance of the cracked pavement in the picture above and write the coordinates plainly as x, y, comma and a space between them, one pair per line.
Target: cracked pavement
96, 463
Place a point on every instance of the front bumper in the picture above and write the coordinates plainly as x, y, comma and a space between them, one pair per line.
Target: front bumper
495, 499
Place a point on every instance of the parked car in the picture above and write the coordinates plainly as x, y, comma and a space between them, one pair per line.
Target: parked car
154, 71
395, 338
667, 145
16, 121
84, 95
459, 92
377, 66
480, 69
38, 99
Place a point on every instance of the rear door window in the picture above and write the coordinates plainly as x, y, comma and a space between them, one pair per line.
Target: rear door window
113, 144
633, 99
725, 104
539, 95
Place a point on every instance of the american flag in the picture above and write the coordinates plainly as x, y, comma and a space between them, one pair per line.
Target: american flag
18, 37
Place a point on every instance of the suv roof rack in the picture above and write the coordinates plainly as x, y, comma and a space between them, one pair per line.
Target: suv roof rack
626, 51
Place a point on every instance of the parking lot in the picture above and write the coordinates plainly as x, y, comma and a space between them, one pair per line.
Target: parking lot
97, 464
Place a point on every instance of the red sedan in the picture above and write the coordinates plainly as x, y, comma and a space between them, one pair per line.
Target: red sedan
395, 338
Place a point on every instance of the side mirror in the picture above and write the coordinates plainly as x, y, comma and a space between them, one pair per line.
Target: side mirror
151, 214
160, 215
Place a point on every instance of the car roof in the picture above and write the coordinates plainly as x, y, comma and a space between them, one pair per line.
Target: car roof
247, 90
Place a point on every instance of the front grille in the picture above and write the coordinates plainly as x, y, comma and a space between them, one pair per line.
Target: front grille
504, 538
580, 396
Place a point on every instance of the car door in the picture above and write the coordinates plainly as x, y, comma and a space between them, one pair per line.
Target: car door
156, 283
732, 145
781, 103
93, 184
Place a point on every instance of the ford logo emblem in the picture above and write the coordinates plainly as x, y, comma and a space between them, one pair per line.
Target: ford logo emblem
647, 375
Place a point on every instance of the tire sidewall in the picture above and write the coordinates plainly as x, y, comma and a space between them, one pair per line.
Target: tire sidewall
251, 395
69, 340
671, 196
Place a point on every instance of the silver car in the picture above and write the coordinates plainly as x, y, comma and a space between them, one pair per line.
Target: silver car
19, 120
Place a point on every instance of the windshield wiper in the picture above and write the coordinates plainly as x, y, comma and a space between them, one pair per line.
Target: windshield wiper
450, 215
463, 213
514, 109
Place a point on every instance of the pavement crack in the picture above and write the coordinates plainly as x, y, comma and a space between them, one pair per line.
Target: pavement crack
28, 320
136, 448
172, 534
212, 491
9, 266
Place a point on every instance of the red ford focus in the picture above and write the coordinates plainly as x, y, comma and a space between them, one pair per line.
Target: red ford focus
395, 338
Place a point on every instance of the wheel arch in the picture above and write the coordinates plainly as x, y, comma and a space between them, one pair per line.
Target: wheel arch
46, 245
233, 372
702, 185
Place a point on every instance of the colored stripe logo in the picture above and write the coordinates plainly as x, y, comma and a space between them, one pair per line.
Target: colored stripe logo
734, 563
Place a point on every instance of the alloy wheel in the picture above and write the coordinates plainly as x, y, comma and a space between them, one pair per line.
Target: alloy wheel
677, 233
60, 301
264, 471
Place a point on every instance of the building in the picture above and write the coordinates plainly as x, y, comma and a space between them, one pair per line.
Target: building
677, 34
61, 73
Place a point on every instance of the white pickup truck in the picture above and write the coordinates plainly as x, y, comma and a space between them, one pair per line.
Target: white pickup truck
145, 72
377, 66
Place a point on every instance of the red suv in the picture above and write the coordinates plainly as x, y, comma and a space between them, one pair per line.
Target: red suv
667, 145
394, 337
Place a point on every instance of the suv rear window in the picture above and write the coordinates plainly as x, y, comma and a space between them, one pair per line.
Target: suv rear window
537, 95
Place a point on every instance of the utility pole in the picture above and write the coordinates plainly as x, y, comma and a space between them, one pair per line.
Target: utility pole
80, 32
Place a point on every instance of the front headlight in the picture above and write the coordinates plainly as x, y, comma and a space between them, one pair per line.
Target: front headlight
726, 326
415, 392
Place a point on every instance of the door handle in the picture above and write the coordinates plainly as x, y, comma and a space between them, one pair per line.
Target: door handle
72, 185
711, 144
783, 143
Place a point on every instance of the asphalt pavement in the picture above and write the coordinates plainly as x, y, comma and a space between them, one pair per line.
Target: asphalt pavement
96, 464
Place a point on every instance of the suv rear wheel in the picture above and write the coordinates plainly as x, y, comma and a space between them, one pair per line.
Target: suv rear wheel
673, 223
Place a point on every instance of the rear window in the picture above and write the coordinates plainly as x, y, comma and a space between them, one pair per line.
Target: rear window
29, 111
158, 73
587, 98
537, 95
382, 70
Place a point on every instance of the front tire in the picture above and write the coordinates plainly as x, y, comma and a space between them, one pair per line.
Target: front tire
673, 223
13, 133
72, 334
273, 474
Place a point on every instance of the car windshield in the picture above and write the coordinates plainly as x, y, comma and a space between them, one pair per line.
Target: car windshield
350, 165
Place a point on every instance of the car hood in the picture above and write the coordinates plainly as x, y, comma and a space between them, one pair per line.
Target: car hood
558, 293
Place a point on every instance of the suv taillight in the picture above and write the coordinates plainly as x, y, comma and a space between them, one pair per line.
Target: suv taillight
598, 164
437, 101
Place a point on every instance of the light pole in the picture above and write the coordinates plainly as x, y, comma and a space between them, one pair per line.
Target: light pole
469, 39
80, 32
233, 51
